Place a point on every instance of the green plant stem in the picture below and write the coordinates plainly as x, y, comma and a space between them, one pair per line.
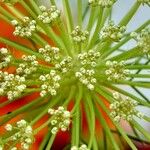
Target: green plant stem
68, 13
71, 94
50, 143
128, 94
52, 103
77, 126
132, 53
92, 123
20, 47
106, 128
45, 140
6, 13
42, 126
141, 66
138, 84
91, 19
130, 14
78, 98
98, 26
141, 129
139, 75
79, 2
20, 110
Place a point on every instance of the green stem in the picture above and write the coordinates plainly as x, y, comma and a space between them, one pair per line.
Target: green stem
79, 13
44, 141
20, 110
92, 123
141, 129
98, 27
91, 19
68, 13
130, 14
106, 128
128, 94
50, 143
78, 99
20, 47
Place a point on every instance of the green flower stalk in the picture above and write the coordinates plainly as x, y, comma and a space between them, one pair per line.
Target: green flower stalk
84, 66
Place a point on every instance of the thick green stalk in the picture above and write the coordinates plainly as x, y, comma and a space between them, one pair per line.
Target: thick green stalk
92, 123
20, 47
50, 143
106, 128
98, 26
79, 2
6, 118
91, 19
68, 13
128, 94
141, 129
130, 14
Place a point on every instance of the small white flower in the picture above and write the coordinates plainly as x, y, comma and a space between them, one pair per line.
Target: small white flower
8, 127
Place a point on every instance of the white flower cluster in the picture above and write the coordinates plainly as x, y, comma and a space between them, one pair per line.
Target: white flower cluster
124, 108
49, 15
112, 32
82, 147
5, 57
86, 77
61, 119
24, 134
28, 66
116, 70
50, 83
49, 53
24, 29
144, 2
11, 85
143, 40
89, 58
103, 3
78, 35
65, 65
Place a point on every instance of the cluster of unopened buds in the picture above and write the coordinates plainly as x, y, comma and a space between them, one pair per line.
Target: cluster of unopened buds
143, 40
50, 54
65, 65
28, 66
112, 32
61, 119
49, 15
11, 85
86, 77
82, 147
50, 83
89, 58
23, 134
5, 57
116, 70
144, 2
78, 35
124, 108
103, 3
24, 29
